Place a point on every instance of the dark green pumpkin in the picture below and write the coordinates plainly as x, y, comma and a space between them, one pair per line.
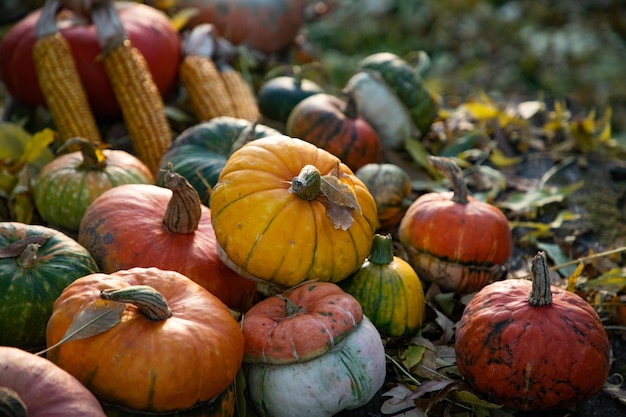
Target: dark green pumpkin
279, 95
31, 279
389, 290
408, 85
200, 152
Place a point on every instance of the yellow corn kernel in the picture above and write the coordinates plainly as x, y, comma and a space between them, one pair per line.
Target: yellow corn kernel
205, 87
62, 89
141, 103
241, 94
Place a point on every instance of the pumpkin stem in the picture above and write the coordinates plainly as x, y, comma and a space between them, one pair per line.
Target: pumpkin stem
382, 250
541, 293
93, 157
308, 184
291, 308
184, 209
11, 405
453, 173
149, 301
28, 257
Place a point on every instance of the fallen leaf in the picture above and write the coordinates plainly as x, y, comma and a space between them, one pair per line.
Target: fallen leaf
16, 248
96, 318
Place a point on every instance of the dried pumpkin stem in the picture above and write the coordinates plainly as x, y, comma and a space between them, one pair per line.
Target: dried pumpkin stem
93, 158
541, 293
149, 301
184, 209
11, 405
382, 250
291, 308
308, 184
28, 257
454, 174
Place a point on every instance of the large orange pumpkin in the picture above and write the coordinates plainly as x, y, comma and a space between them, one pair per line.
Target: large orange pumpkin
273, 223
146, 225
151, 360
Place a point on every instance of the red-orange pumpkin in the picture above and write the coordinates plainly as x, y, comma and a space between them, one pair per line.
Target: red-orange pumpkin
454, 240
147, 225
148, 29
335, 126
532, 346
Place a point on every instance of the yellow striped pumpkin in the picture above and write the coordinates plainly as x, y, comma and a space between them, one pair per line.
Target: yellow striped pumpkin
267, 230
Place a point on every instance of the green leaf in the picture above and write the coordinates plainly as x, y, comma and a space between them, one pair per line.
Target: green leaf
418, 152
559, 257
612, 281
96, 318
413, 355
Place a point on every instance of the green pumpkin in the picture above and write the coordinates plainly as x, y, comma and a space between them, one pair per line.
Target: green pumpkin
33, 273
408, 85
200, 152
389, 290
279, 95
68, 184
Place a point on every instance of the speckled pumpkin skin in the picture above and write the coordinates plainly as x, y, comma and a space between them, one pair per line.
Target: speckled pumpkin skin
531, 358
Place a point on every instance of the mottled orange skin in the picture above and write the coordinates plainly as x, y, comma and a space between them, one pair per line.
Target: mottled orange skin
531, 358
172, 364
470, 238
123, 228
324, 315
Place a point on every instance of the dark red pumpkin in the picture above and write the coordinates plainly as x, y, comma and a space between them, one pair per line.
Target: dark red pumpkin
142, 225
147, 28
454, 240
532, 346
335, 125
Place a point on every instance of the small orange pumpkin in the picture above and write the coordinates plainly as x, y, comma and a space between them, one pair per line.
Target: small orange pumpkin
454, 240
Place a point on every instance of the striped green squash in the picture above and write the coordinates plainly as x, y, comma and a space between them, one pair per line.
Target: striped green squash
33, 273
408, 85
389, 291
200, 152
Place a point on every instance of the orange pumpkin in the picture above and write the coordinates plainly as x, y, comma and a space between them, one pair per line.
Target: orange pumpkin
151, 360
454, 240
146, 225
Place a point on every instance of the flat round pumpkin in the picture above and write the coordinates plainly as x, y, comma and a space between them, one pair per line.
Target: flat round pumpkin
268, 229
173, 363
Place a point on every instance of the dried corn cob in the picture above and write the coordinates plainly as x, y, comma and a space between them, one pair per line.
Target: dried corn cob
63, 91
205, 87
241, 94
140, 101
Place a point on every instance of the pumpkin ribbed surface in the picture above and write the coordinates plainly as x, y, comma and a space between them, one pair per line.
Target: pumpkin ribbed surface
531, 357
267, 232
171, 364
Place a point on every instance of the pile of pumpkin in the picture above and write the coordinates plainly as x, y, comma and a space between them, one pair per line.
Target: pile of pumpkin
240, 259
